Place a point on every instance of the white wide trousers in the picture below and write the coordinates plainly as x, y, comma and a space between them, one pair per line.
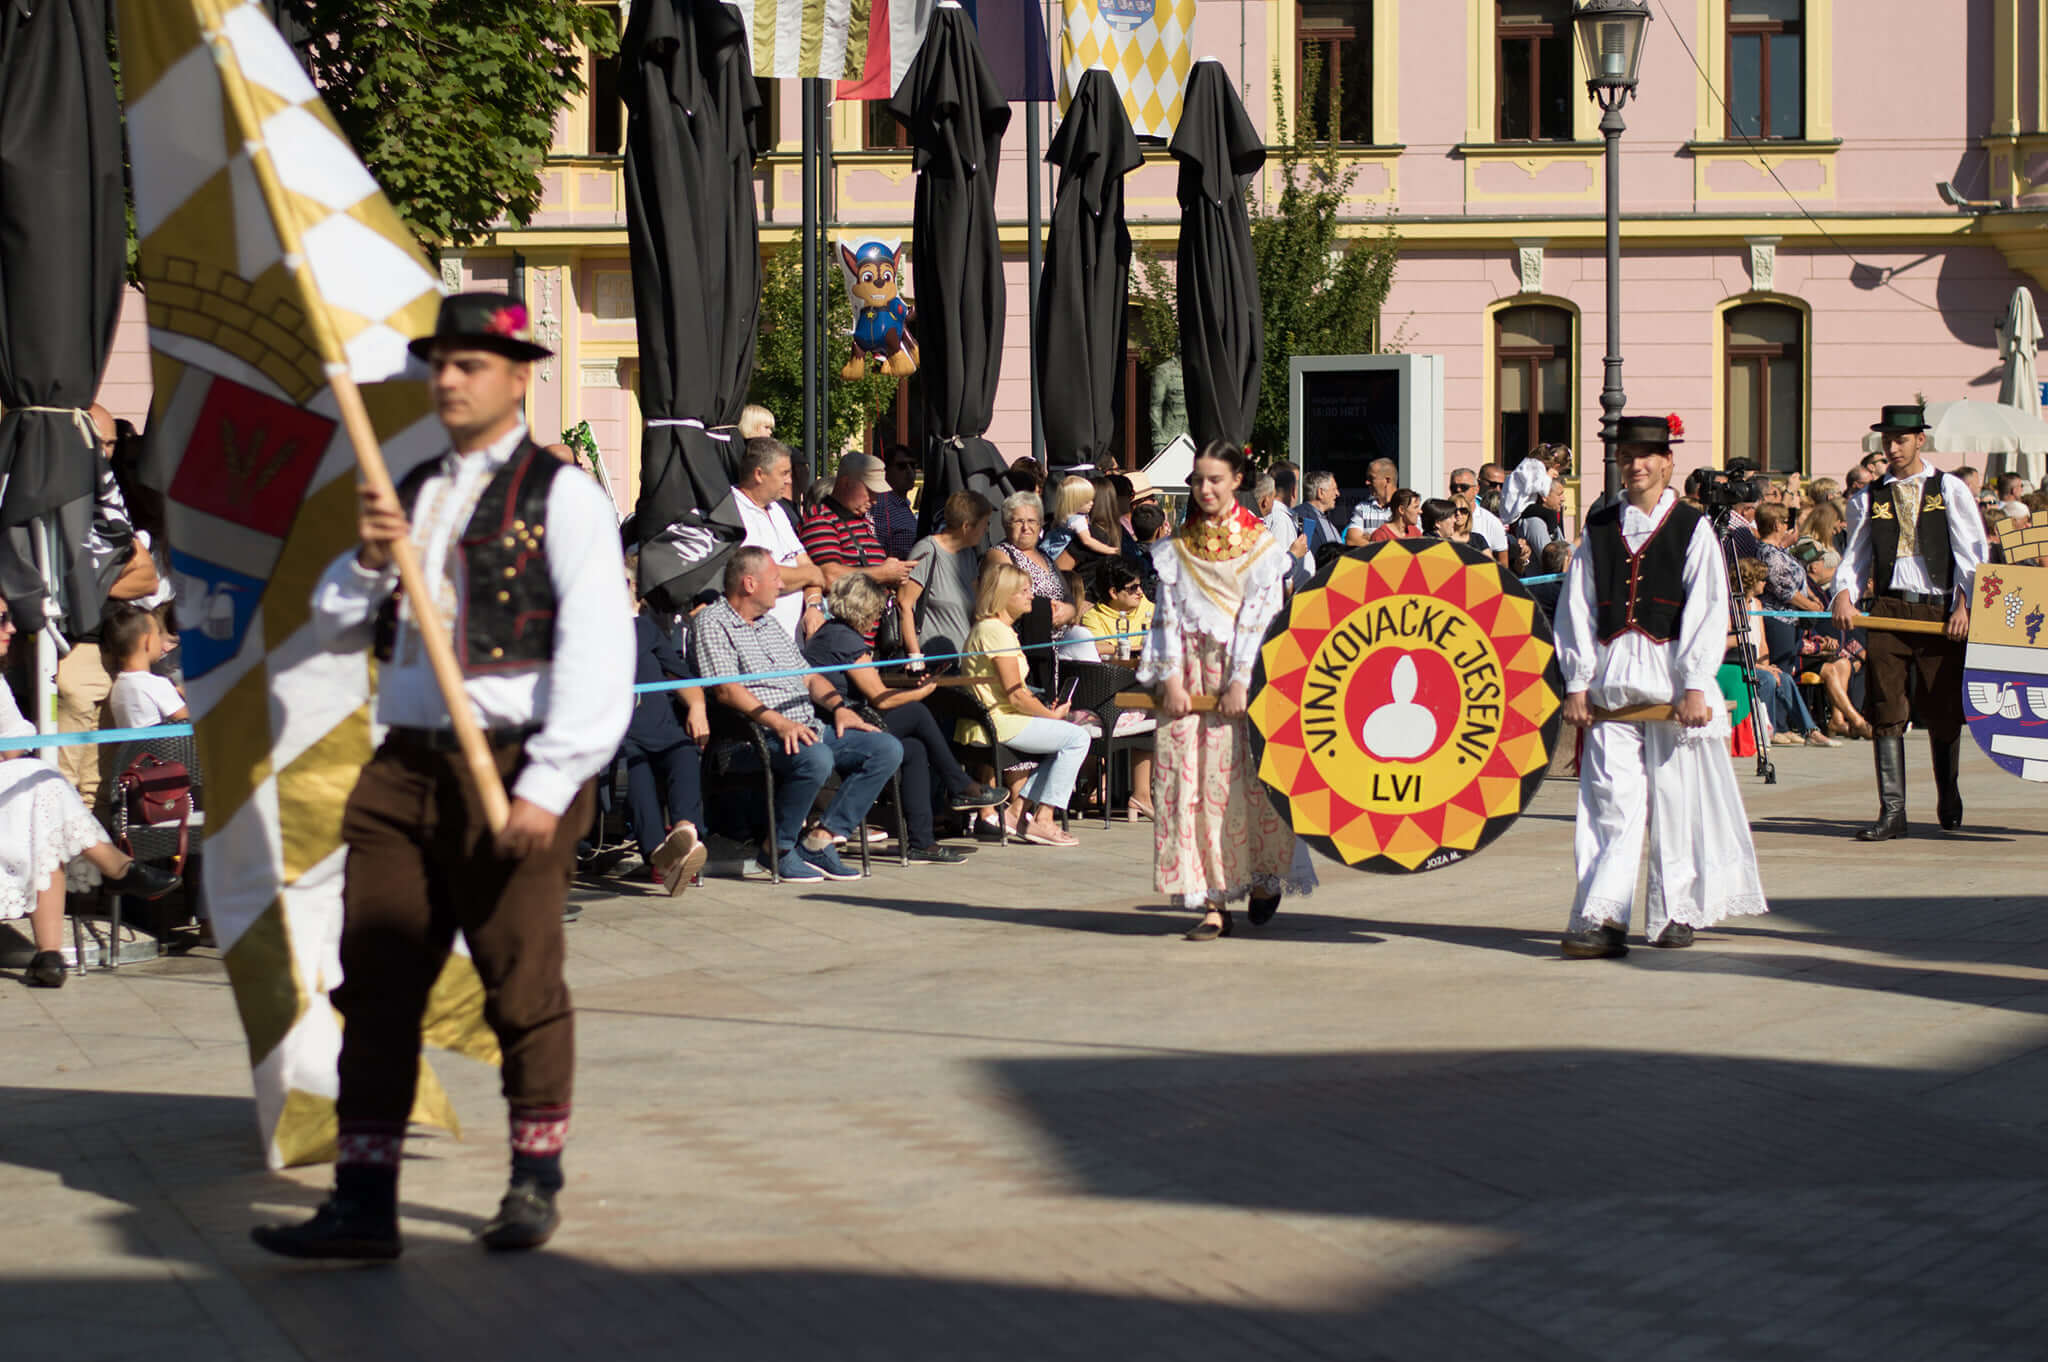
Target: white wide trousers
1702, 862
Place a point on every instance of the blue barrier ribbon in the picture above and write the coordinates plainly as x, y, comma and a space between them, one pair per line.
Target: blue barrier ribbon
91, 736
111, 735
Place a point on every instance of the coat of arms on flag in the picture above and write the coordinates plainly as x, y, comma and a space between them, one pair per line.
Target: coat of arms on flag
272, 265
2005, 670
1143, 44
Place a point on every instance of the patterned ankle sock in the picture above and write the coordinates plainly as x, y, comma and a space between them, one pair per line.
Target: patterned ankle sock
538, 1134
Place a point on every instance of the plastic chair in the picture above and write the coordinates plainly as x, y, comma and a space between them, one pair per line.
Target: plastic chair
153, 843
740, 750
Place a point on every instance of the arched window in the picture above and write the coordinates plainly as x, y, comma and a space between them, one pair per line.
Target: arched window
1534, 386
1766, 394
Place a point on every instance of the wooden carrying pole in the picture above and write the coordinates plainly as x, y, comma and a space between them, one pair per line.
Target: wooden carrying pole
1898, 626
433, 630
1202, 704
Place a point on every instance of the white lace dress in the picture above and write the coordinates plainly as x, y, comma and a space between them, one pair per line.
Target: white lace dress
43, 823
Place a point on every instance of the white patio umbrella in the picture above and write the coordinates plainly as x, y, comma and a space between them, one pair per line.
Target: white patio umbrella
2020, 386
1991, 430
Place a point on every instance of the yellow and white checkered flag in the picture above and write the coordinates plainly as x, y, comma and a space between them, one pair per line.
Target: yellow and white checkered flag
1143, 44
271, 262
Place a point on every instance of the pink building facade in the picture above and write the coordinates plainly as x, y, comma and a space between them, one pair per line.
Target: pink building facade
1776, 291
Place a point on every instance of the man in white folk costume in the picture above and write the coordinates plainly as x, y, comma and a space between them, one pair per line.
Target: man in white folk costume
1643, 620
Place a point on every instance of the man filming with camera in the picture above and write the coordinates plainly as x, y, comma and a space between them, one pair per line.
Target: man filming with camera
1915, 539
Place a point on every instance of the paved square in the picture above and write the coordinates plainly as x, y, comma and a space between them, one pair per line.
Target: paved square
1001, 1111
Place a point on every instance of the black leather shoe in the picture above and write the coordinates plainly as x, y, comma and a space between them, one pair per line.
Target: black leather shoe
1675, 936
936, 855
339, 1229
1206, 930
1605, 942
1889, 754
978, 797
526, 1219
144, 881
1262, 908
45, 970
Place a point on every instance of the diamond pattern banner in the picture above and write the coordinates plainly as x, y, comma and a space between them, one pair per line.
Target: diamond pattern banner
270, 261
1143, 44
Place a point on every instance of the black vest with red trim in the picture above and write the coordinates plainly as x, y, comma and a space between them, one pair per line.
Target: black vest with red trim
506, 604
1934, 541
1642, 591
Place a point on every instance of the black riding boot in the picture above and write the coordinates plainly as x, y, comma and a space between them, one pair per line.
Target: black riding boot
1891, 791
1947, 754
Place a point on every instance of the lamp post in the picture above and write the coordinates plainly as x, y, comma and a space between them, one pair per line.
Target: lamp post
1611, 41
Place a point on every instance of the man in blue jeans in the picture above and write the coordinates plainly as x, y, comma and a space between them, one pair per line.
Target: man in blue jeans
735, 636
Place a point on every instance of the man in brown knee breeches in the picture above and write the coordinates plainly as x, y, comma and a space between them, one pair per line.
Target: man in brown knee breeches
1915, 540
522, 554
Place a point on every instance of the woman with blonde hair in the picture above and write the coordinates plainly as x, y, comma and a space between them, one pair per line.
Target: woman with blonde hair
1023, 722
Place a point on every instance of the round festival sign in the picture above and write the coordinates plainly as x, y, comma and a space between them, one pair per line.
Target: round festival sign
1405, 705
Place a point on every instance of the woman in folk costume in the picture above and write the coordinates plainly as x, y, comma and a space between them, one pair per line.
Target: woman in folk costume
1643, 620
1216, 835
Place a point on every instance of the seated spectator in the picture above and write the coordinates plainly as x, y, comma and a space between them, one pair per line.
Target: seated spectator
1436, 518
736, 636
1022, 721
1077, 640
1404, 517
1823, 525
1069, 518
1551, 563
839, 536
929, 767
1777, 691
1835, 655
662, 750
1542, 520
935, 603
1052, 608
1148, 527
132, 640
47, 832
895, 519
1122, 612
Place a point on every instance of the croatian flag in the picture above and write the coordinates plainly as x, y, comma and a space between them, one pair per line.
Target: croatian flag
1012, 36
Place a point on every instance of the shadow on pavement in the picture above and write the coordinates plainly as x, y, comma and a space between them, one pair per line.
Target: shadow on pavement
1605, 1206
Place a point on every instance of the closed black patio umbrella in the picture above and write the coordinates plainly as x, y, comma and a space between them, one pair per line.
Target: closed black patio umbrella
62, 263
956, 112
691, 103
1222, 334
1083, 294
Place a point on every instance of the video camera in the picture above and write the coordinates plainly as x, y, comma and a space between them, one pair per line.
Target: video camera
1720, 489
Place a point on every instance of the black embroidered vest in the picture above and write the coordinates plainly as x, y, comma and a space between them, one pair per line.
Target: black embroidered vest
505, 601
1933, 532
1642, 591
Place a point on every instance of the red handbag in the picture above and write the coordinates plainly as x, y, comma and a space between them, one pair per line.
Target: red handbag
153, 791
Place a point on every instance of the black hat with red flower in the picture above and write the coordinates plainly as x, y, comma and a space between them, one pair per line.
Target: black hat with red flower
1659, 431
483, 321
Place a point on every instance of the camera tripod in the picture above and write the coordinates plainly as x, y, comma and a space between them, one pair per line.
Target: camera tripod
1738, 624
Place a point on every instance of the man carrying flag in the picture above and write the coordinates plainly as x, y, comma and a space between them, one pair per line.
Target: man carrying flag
522, 560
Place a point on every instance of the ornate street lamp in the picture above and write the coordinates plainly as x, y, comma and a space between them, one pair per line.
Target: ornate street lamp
1611, 40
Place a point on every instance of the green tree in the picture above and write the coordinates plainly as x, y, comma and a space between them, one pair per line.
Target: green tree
1319, 292
779, 355
1320, 295
450, 103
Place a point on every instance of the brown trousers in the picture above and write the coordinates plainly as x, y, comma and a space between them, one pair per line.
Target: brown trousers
1899, 664
420, 867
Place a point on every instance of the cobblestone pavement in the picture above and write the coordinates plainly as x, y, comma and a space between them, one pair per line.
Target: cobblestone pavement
1001, 1111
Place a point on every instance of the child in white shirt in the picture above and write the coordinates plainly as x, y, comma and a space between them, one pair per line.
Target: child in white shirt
1530, 481
131, 640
